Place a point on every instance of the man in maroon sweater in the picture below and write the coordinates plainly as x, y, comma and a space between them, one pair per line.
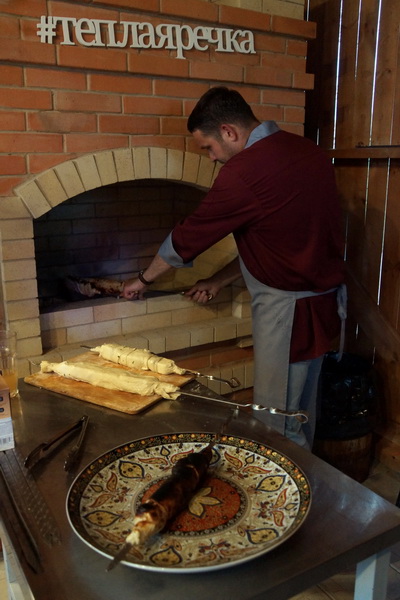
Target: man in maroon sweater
276, 193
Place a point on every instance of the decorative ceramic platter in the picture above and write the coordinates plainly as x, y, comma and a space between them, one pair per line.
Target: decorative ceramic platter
252, 500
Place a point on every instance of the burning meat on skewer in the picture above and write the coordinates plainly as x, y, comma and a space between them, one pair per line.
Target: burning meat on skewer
94, 286
167, 501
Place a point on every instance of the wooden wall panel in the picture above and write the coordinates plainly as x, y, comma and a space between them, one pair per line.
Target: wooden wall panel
356, 119
375, 216
390, 286
322, 61
347, 74
387, 75
352, 181
365, 70
395, 136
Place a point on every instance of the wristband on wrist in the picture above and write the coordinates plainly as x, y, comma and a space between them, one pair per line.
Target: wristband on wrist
142, 279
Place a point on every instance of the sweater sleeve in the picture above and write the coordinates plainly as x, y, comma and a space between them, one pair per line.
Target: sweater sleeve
228, 206
169, 254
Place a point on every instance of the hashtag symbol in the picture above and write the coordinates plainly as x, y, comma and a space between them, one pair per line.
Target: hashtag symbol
46, 29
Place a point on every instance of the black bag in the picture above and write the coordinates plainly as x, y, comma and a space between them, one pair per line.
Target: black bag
347, 397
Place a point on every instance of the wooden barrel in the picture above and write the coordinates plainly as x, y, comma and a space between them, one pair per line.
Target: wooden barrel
353, 457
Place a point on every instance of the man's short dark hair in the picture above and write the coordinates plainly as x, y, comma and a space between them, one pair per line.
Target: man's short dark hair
217, 106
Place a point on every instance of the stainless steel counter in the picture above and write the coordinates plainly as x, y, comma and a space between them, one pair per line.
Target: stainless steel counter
347, 523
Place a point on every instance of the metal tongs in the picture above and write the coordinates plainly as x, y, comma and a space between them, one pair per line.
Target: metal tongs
45, 448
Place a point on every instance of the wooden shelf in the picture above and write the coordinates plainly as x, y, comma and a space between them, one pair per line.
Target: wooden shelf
363, 153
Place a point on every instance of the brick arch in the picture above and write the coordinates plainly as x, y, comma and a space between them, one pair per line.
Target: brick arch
90, 171
19, 305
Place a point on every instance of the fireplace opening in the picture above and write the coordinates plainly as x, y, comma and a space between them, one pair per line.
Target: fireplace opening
111, 233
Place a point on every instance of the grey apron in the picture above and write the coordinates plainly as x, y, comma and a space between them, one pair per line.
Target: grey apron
272, 314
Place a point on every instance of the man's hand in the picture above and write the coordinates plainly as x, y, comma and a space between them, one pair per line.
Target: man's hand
203, 291
133, 289
206, 289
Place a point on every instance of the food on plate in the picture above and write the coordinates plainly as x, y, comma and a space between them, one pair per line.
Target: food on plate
95, 286
112, 378
136, 358
174, 494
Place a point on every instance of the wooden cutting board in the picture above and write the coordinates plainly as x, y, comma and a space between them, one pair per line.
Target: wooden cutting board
114, 399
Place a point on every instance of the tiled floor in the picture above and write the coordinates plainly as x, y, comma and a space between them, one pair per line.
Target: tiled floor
382, 481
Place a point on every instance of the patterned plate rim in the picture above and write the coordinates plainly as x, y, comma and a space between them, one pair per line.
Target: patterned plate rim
260, 449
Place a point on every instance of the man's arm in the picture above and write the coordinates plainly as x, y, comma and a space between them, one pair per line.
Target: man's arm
207, 289
134, 288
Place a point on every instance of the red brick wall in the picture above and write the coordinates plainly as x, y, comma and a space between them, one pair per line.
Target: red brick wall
60, 101
69, 112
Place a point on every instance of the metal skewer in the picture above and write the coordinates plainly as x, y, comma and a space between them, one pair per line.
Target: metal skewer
121, 554
299, 415
233, 382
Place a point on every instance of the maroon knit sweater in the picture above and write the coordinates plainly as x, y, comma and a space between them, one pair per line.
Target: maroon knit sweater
278, 197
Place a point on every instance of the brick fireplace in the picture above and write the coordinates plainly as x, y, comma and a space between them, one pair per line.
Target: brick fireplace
80, 114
